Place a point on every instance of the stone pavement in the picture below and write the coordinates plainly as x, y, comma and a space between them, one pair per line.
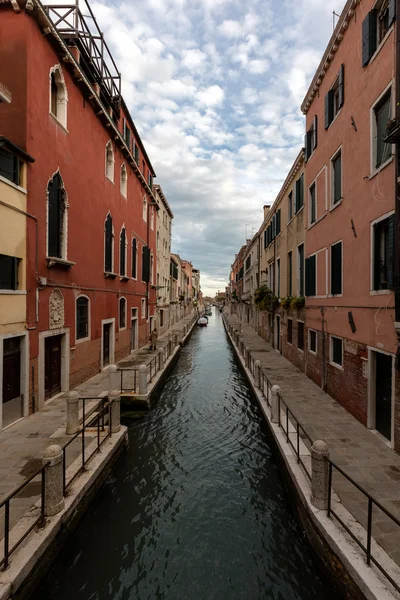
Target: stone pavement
353, 447
22, 444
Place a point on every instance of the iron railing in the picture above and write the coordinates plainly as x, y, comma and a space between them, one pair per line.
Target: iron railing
134, 371
290, 418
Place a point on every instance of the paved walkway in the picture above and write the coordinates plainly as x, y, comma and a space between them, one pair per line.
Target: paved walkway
359, 452
22, 444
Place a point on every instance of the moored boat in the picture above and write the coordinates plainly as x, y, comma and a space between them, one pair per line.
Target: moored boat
202, 322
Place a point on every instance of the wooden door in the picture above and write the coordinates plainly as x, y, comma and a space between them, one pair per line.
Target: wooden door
106, 344
12, 399
383, 394
52, 368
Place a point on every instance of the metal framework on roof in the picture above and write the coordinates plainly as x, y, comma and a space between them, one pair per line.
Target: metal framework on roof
82, 30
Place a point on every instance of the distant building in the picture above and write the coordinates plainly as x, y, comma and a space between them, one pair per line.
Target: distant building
163, 244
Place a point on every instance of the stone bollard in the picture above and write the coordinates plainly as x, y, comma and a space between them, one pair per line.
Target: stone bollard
257, 374
115, 399
113, 378
72, 412
161, 359
176, 341
247, 357
54, 480
319, 475
142, 380
275, 390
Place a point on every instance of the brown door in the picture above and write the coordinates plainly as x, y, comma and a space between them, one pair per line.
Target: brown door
383, 394
106, 344
52, 367
12, 398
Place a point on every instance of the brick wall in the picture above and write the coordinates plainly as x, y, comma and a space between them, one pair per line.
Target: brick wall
291, 350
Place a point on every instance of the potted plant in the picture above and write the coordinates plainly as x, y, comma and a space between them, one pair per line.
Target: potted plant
298, 302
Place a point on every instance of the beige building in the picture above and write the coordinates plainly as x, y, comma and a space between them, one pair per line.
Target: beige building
164, 231
14, 321
282, 237
251, 280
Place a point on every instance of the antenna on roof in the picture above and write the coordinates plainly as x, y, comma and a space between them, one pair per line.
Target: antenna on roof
334, 14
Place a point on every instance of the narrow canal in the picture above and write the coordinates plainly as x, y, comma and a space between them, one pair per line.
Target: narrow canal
197, 508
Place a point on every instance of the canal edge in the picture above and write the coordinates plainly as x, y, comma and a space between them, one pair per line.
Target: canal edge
335, 550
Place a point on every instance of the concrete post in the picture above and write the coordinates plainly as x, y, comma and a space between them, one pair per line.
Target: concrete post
113, 378
257, 377
275, 390
319, 474
115, 399
54, 480
247, 357
72, 412
142, 380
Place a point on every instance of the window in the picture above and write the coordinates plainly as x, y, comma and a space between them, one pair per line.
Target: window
108, 244
336, 351
336, 178
152, 218
126, 133
146, 264
82, 318
383, 258
9, 272
290, 208
290, 331
158, 242
124, 181
375, 27
134, 258
143, 167
313, 204
299, 193
334, 99
151, 269
143, 308
300, 335
289, 270
57, 210
58, 95
150, 180
311, 138
144, 208
311, 275
10, 166
110, 161
336, 269
278, 278
136, 153
122, 313
312, 341
381, 115
122, 253
300, 267
248, 263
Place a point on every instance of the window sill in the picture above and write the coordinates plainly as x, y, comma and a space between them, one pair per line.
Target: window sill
53, 261
58, 122
298, 211
123, 278
300, 350
122, 328
317, 221
13, 292
13, 185
109, 275
339, 367
380, 292
81, 340
334, 118
338, 203
312, 352
381, 167
110, 180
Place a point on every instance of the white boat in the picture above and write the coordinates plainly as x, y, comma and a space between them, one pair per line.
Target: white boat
202, 322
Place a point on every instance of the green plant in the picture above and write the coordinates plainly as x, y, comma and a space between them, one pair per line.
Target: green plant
298, 302
286, 302
264, 299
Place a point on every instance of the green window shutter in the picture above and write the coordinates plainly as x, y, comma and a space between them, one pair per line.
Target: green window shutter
328, 108
315, 133
390, 253
369, 34
306, 155
341, 86
146, 264
392, 11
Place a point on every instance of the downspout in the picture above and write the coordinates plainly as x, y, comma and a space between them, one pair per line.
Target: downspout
397, 194
322, 309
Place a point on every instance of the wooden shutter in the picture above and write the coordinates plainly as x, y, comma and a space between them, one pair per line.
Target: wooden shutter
134, 259
306, 155
315, 132
341, 86
146, 264
390, 254
310, 265
122, 262
392, 11
108, 245
369, 36
328, 108
265, 238
54, 216
336, 269
278, 221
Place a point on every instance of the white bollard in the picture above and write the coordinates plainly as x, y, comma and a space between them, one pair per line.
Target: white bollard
142, 380
319, 475
72, 412
115, 399
257, 377
275, 390
113, 378
54, 480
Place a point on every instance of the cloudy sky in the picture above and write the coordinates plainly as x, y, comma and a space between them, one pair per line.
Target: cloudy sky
214, 88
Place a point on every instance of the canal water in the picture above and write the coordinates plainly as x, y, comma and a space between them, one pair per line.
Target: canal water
196, 509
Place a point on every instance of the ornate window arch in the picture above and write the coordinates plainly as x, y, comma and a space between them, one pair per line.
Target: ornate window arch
58, 95
108, 244
82, 305
57, 217
110, 161
124, 181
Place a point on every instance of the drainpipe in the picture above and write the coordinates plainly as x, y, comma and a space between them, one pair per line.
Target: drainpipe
397, 188
322, 309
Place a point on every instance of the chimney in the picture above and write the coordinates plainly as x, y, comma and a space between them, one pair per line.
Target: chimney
266, 208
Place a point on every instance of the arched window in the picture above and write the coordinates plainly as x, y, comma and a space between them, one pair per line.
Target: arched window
82, 318
110, 161
122, 313
108, 244
144, 208
57, 214
124, 181
134, 258
122, 253
152, 218
58, 95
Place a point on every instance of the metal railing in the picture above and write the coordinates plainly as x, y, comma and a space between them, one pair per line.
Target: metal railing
6, 505
134, 371
290, 418
98, 422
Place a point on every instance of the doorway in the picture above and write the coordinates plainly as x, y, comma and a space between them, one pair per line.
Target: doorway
278, 334
134, 329
382, 389
12, 397
52, 366
106, 343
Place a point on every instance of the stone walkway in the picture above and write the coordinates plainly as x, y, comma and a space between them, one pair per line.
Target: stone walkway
353, 447
22, 444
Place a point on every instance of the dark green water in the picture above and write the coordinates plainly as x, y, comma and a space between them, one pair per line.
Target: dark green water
196, 509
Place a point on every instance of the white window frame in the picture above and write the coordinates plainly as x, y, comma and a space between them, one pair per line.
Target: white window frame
330, 295
124, 181
64, 232
304, 336
373, 130
62, 96
119, 313
373, 292
143, 308
152, 218
123, 275
331, 362
109, 165
89, 337
314, 352
313, 183
112, 244
144, 214
332, 206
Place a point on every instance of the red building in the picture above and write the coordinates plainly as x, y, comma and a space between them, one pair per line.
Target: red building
90, 263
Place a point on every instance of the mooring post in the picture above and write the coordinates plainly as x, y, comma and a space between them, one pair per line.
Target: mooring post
320, 474
257, 373
113, 378
142, 380
54, 480
114, 398
275, 390
72, 412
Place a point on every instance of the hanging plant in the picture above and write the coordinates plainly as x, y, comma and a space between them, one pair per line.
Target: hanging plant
286, 302
298, 302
